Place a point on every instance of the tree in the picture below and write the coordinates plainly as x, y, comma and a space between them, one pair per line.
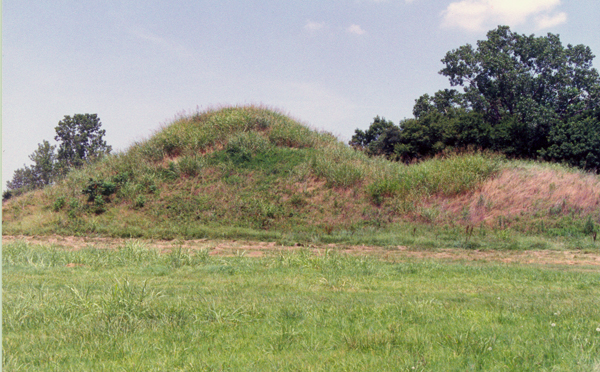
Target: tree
44, 163
576, 142
41, 173
361, 139
442, 102
535, 79
81, 140
524, 96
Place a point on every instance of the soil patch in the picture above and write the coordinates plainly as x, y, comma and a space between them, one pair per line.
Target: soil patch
257, 249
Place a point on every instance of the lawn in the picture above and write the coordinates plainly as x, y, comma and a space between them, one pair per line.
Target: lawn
135, 308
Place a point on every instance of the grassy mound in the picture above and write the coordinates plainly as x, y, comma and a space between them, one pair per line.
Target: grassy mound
251, 172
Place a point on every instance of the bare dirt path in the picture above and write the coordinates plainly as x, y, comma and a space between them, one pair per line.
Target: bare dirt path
581, 259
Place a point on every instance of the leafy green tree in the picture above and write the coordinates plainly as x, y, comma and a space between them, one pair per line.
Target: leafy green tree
386, 143
44, 162
81, 140
524, 96
362, 139
20, 182
576, 142
41, 173
535, 79
443, 102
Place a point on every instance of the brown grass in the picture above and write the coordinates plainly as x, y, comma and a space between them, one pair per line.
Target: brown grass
521, 191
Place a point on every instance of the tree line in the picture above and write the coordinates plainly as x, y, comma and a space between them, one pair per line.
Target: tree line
80, 141
523, 96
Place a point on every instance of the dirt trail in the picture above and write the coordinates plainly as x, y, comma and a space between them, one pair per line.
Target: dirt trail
257, 249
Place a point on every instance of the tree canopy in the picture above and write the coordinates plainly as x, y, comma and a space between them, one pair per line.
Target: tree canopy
80, 141
525, 96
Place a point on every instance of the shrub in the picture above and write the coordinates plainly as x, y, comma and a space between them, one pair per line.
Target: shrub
6, 194
576, 142
589, 226
59, 203
98, 193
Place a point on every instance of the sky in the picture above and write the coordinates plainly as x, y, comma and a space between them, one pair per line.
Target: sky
331, 64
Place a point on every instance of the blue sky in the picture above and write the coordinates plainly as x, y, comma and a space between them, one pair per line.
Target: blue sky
332, 64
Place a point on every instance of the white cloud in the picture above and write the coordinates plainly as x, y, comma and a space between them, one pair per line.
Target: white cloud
547, 21
313, 26
479, 15
356, 29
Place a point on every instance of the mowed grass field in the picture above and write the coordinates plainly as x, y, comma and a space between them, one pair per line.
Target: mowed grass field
135, 308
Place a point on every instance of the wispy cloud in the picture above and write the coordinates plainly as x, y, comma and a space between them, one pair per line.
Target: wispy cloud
479, 15
170, 46
313, 26
356, 29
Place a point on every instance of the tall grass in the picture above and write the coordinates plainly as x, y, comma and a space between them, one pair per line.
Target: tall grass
447, 177
250, 171
190, 135
133, 308
340, 166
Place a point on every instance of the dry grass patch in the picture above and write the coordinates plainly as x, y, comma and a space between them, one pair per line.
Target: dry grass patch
526, 191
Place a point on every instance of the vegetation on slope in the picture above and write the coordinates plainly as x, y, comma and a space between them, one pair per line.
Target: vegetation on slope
255, 173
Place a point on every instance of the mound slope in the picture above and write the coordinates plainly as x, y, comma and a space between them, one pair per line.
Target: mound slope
253, 172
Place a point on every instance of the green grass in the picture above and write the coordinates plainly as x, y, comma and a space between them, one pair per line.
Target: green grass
135, 309
238, 170
253, 173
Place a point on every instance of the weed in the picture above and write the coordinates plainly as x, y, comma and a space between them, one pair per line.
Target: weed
243, 146
339, 165
297, 200
59, 203
589, 227
99, 204
190, 166
74, 208
140, 202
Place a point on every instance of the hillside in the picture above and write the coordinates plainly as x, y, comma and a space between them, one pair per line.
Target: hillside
252, 172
